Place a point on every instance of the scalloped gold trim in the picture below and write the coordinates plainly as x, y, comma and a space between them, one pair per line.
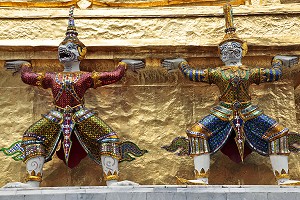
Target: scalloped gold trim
201, 174
109, 176
34, 177
281, 175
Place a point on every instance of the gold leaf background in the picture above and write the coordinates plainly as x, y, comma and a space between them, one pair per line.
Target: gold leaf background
150, 107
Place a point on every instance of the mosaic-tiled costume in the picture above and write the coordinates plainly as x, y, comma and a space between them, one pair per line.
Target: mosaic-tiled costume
235, 113
234, 126
80, 131
70, 116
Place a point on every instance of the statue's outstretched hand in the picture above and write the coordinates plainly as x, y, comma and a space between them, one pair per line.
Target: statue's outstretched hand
14, 66
172, 64
287, 61
134, 65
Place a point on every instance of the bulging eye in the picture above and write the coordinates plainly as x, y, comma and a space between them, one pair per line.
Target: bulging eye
236, 45
236, 51
225, 52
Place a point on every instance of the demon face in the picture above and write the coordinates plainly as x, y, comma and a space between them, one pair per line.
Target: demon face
231, 52
68, 52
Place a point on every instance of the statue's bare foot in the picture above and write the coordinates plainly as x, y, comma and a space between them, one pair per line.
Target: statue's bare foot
191, 182
287, 182
17, 185
123, 183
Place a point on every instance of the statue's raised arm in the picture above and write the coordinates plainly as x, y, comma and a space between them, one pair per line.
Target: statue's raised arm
27, 75
106, 78
198, 75
262, 75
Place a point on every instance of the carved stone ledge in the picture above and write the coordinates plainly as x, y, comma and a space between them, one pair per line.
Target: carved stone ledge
156, 12
135, 49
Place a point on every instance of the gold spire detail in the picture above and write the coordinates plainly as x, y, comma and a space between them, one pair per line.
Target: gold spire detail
227, 9
230, 34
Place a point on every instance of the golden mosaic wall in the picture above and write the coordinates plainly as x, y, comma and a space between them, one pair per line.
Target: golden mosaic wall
150, 107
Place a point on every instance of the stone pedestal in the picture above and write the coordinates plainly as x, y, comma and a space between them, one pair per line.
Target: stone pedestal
150, 192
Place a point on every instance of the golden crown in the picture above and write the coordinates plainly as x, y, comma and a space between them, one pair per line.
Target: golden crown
230, 34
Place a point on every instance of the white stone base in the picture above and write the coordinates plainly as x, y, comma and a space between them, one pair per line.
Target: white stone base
157, 192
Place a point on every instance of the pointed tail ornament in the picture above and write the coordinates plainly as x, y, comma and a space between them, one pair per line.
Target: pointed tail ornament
15, 151
179, 143
129, 148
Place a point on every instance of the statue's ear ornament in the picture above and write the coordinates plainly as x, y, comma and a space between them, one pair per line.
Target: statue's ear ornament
230, 34
245, 48
82, 52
